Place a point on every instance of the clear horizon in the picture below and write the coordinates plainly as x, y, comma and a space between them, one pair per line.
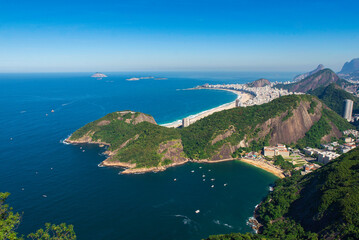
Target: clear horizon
157, 35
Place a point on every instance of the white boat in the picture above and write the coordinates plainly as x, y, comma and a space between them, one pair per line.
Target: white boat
225, 184
212, 186
192, 171
197, 211
45, 196
175, 179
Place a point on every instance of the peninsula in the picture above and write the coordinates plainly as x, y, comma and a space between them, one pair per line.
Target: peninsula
138, 144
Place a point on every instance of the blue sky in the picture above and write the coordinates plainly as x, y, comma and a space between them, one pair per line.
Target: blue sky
153, 35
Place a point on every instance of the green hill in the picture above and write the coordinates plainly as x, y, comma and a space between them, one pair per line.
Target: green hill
301, 119
135, 141
133, 138
323, 204
333, 96
321, 78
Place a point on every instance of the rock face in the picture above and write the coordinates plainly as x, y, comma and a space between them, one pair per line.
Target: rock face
350, 67
293, 128
135, 117
259, 83
304, 75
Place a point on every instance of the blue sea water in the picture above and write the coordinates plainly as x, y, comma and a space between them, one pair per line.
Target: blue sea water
99, 202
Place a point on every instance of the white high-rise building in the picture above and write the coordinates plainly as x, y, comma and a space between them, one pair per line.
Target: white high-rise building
348, 109
185, 122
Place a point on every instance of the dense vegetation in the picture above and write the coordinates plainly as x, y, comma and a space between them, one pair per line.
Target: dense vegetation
142, 151
285, 165
9, 222
139, 143
197, 138
323, 204
333, 96
321, 128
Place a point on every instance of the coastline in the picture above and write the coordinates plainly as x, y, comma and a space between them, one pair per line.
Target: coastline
244, 97
130, 168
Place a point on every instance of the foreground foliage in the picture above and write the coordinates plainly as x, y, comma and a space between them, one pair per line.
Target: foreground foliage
9, 222
323, 204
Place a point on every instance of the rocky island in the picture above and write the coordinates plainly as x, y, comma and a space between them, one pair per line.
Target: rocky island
98, 75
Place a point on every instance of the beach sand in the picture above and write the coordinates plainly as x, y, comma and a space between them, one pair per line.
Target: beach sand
264, 166
194, 118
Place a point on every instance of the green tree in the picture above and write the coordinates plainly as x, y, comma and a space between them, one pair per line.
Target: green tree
9, 222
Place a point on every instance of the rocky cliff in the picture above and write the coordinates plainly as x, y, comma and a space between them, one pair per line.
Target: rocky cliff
291, 120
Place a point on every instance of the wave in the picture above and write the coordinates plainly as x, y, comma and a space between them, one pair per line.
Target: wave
63, 140
223, 224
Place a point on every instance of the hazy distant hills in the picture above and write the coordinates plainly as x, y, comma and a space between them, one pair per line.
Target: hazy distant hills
350, 67
304, 75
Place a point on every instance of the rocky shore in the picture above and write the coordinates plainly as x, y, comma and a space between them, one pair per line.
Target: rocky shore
130, 168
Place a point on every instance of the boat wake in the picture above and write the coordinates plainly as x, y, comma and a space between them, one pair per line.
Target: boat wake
223, 224
186, 220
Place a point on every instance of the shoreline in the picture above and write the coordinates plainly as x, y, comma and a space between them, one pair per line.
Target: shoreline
244, 97
264, 166
130, 168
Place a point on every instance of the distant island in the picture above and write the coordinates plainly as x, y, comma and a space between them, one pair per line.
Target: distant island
138, 78
99, 75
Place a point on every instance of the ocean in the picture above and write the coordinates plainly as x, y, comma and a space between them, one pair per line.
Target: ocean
53, 182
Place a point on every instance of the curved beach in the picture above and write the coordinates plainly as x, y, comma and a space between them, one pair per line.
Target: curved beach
244, 97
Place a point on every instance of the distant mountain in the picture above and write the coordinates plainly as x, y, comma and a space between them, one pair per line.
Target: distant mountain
304, 75
259, 83
319, 79
333, 96
350, 67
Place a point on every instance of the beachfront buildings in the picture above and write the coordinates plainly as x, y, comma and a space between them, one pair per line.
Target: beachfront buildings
280, 149
260, 95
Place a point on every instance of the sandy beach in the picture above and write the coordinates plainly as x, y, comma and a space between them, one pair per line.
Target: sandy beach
264, 166
244, 97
